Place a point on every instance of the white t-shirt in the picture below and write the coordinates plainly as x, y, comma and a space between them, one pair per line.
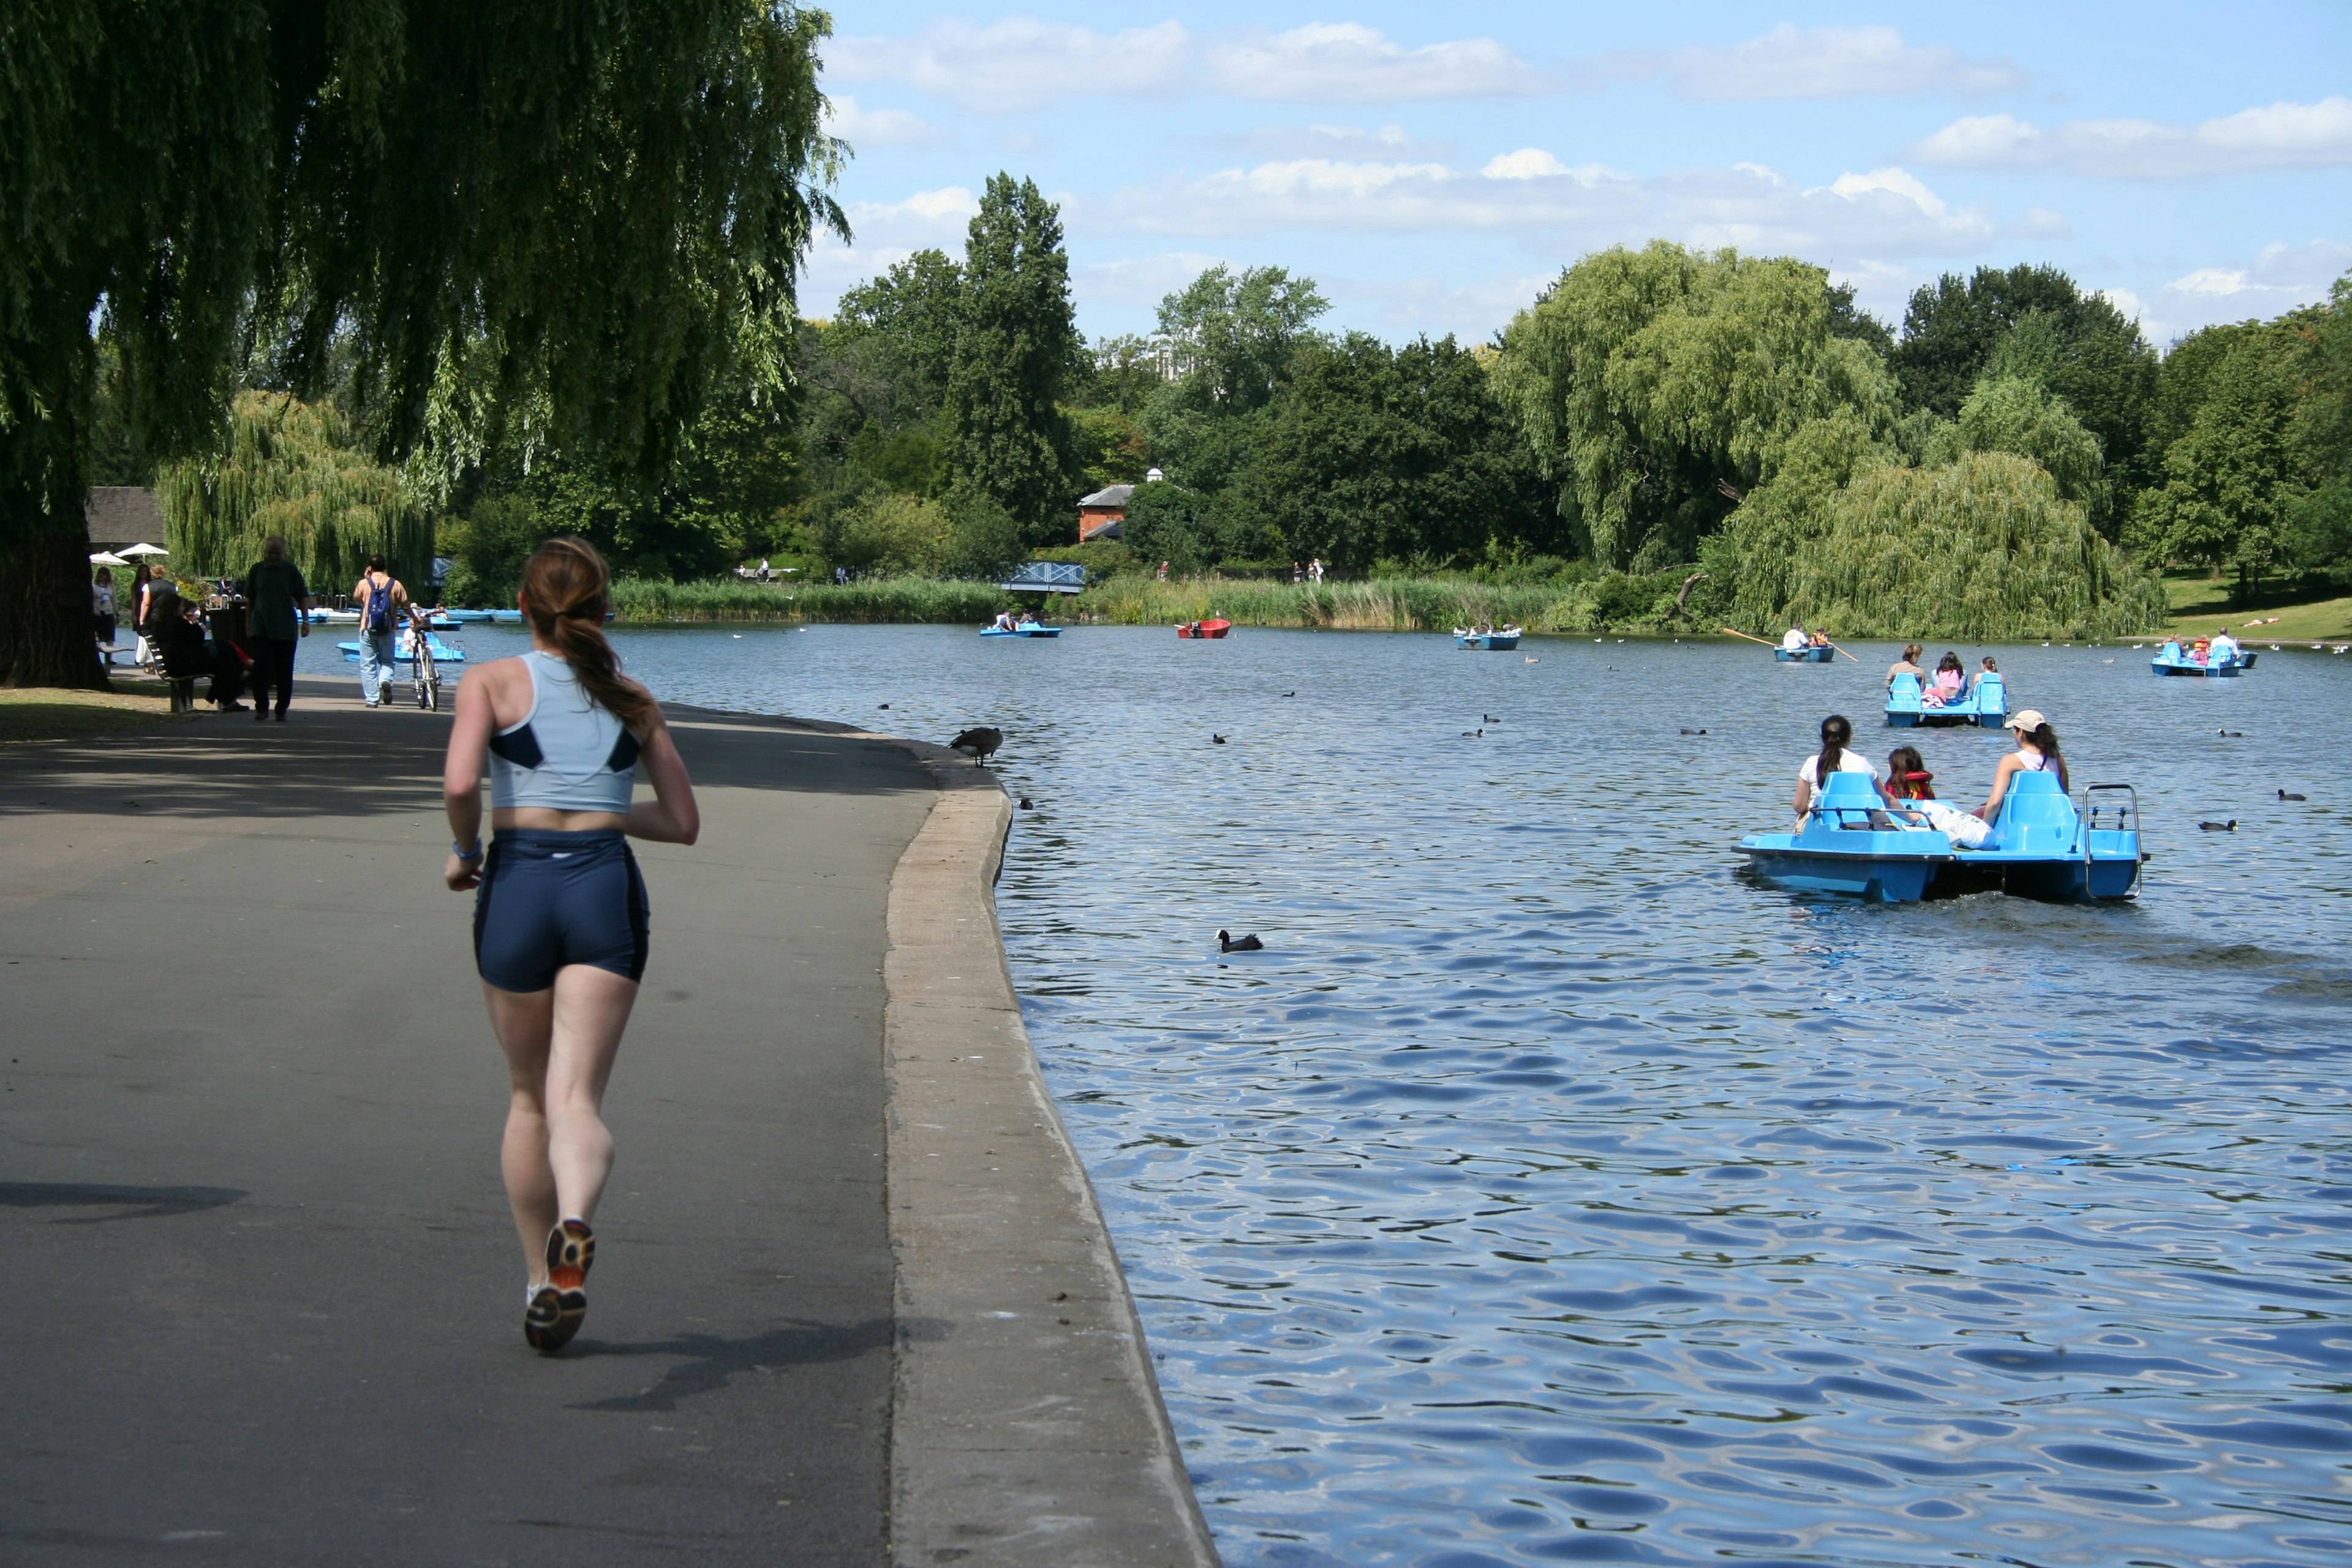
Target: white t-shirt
1792, 639
1849, 761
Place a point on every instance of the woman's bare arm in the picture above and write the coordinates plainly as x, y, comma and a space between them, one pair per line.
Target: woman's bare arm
461, 776
671, 816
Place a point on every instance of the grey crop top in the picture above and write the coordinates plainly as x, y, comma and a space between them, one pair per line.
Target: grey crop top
567, 753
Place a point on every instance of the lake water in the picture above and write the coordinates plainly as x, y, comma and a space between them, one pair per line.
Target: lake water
1548, 1190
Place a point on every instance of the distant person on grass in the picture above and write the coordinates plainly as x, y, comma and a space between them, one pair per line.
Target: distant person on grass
380, 597
101, 605
278, 615
561, 919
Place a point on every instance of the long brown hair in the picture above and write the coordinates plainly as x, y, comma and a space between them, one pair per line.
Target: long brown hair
563, 592
2046, 741
1907, 777
1835, 732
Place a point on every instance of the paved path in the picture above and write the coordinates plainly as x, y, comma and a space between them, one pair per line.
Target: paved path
260, 1292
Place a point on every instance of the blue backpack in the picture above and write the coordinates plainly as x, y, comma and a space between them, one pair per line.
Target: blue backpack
378, 610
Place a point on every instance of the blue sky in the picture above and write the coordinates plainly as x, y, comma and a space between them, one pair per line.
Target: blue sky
1434, 166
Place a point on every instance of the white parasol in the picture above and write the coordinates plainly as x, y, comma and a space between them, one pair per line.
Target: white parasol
144, 550
107, 558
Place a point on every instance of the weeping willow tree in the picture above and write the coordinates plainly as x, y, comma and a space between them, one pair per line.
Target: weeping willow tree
1660, 384
289, 469
559, 225
1984, 547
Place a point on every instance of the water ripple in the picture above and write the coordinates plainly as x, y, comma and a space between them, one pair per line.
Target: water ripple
1549, 1192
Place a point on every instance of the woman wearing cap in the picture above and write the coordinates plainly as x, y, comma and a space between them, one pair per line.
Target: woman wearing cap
561, 919
2037, 753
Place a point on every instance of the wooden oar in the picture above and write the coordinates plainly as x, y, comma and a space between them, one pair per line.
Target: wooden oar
1833, 644
1728, 632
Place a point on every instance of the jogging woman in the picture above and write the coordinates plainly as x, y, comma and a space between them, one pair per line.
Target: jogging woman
560, 913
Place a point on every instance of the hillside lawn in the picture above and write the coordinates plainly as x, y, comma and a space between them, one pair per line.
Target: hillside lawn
2201, 604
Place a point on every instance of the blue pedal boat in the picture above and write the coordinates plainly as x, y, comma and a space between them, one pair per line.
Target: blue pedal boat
1021, 632
443, 653
2173, 660
1503, 641
1985, 704
463, 616
2040, 846
1805, 654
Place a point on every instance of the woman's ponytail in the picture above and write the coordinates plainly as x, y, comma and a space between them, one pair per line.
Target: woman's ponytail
1836, 733
563, 592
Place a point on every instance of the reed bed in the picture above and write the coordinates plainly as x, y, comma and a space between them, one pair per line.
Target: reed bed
885, 599
1435, 604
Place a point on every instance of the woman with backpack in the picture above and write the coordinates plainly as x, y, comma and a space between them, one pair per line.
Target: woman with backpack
561, 919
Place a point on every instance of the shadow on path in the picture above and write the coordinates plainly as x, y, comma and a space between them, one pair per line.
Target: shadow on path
713, 1362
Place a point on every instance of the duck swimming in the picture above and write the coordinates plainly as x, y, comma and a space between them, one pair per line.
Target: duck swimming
1228, 942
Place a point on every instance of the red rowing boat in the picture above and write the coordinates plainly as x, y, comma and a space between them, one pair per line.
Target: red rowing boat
1203, 628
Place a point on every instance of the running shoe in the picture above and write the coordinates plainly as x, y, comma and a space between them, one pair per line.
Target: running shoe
571, 1249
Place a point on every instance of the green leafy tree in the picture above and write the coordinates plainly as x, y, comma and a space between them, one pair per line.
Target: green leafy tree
917, 307
2077, 345
514, 225
2010, 414
1165, 521
291, 469
1982, 547
1370, 452
1230, 337
1017, 352
1127, 371
2232, 483
1659, 385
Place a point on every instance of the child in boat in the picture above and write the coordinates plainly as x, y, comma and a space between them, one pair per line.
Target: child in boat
1910, 792
1944, 689
1907, 777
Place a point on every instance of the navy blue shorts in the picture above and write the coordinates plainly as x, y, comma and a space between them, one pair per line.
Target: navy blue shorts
547, 900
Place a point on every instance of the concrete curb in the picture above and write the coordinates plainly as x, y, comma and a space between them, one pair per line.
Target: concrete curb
1026, 1426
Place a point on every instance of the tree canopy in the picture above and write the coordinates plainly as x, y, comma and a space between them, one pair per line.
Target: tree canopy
497, 224
1016, 350
1659, 385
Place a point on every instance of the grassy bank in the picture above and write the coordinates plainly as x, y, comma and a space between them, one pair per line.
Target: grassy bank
56, 713
2201, 604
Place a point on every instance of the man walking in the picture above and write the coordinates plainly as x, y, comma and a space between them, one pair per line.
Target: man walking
382, 599
278, 613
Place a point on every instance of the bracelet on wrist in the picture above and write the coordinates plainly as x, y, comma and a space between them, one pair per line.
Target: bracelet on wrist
473, 854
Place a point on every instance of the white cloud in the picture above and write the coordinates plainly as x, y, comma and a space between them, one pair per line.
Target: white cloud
887, 233
1324, 193
862, 127
1018, 64
1021, 64
1526, 163
2280, 278
1883, 213
1346, 62
2279, 136
1822, 62
1331, 142
2039, 222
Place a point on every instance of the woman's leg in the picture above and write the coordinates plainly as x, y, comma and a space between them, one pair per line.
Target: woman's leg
523, 1020
591, 1008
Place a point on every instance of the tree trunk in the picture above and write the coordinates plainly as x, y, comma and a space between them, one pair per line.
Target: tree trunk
45, 617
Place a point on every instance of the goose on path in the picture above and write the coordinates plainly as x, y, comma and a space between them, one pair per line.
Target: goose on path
979, 743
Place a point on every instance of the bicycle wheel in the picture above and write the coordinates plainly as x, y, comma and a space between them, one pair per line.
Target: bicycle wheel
419, 672
432, 685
